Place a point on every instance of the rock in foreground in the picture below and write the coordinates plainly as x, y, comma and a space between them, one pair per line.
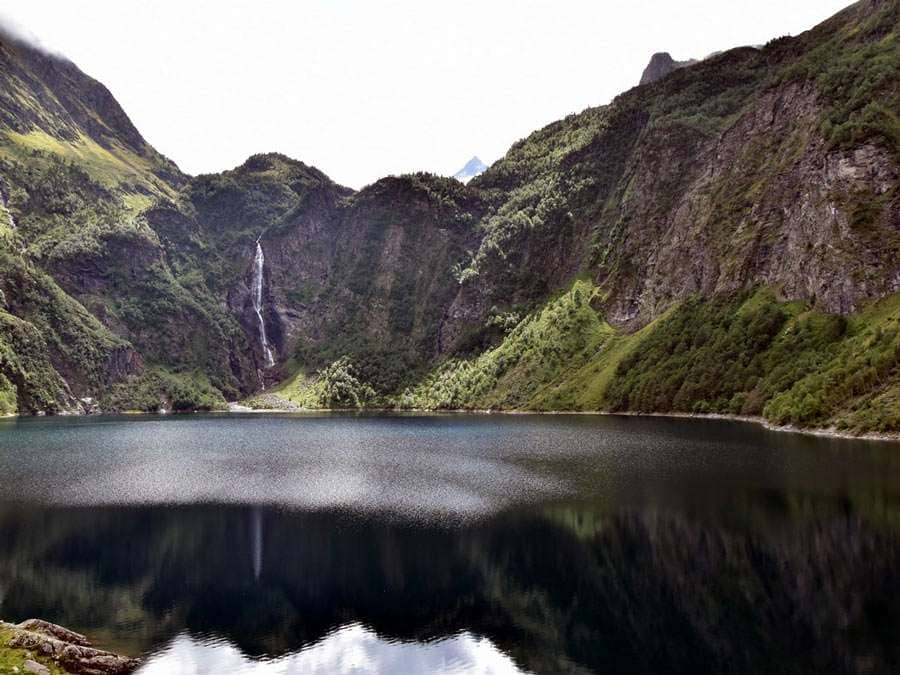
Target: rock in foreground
64, 649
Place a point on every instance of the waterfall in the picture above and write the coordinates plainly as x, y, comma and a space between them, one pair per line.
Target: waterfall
5, 201
258, 263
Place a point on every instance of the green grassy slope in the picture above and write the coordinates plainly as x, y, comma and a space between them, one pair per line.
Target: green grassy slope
745, 353
539, 350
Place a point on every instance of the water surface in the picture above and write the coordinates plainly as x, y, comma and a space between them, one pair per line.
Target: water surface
454, 543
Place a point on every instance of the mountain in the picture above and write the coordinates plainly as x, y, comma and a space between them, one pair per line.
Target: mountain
661, 64
474, 167
725, 239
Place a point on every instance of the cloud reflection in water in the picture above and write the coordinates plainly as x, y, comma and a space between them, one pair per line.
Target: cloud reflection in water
350, 649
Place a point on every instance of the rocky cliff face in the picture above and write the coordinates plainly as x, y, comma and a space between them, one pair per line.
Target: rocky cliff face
725, 175
365, 273
764, 201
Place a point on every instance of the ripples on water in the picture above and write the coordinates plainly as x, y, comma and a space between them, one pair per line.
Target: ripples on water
454, 544
414, 466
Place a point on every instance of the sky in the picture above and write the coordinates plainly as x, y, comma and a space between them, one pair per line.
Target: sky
366, 88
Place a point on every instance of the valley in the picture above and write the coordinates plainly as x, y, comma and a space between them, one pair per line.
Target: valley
724, 239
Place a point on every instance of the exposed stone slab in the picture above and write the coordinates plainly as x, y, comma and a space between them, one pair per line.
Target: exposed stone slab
70, 650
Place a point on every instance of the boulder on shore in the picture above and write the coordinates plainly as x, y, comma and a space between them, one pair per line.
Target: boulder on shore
67, 649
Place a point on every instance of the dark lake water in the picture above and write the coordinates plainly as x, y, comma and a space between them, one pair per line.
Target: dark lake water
454, 544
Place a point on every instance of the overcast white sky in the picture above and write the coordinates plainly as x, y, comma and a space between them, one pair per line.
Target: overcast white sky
366, 88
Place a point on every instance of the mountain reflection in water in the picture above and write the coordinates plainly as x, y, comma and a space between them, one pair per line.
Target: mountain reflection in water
719, 548
556, 589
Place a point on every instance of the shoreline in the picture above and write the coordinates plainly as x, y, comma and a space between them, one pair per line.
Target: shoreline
239, 409
38, 646
824, 432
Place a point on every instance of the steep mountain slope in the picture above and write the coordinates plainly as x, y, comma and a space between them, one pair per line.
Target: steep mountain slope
725, 213
76, 178
774, 166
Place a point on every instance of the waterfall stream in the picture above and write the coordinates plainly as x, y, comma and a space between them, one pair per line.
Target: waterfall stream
258, 263
5, 201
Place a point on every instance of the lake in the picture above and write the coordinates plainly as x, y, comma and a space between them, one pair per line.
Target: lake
454, 543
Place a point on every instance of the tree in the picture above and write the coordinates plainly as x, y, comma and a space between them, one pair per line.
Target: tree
341, 388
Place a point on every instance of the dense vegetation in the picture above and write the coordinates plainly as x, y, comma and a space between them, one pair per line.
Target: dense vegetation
746, 354
158, 390
854, 67
751, 355
537, 351
28, 382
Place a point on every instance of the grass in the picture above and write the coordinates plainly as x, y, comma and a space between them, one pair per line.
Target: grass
114, 168
585, 389
137, 203
12, 660
300, 389
542, 349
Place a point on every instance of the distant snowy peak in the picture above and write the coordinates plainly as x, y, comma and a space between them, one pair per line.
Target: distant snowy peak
473, 167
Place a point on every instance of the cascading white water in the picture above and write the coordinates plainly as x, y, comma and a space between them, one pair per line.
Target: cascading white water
9, 219
258, 263
5, 201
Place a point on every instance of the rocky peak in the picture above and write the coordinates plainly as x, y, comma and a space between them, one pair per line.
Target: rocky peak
661, 64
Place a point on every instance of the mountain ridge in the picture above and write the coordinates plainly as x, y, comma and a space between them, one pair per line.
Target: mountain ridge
756, 169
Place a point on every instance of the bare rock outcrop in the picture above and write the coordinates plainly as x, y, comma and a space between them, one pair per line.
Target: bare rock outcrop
661, 64
70, 650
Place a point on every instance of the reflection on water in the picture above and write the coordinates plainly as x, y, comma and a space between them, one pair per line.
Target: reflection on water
350, 649
646, 546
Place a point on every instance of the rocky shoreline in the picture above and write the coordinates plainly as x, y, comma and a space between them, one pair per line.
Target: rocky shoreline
43, 648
